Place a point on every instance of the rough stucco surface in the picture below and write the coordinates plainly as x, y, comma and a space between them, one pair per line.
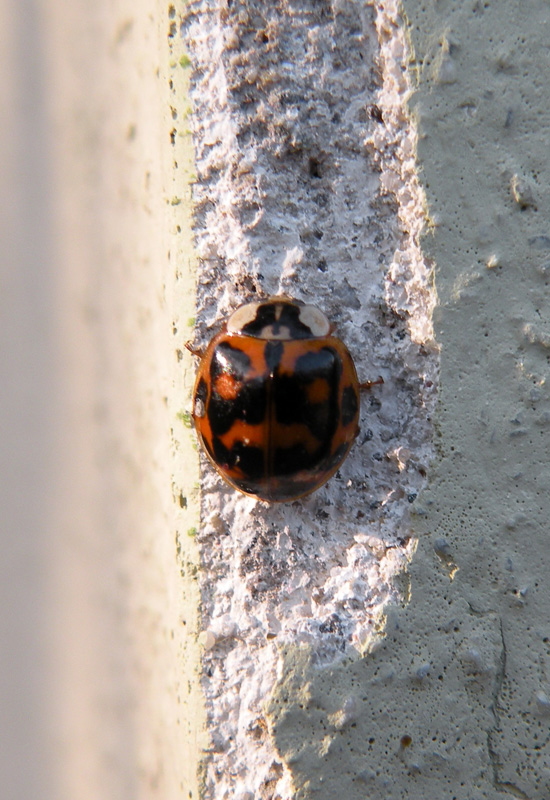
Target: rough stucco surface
456, 702
302, 189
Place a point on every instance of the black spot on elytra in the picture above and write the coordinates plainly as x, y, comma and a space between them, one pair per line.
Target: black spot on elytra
290, 393
272, 354
324, 363
289, 399
250, 460
228, 360
202, 391
279, 472
292, 406
289, 460
350, 405
250, 404
201, 394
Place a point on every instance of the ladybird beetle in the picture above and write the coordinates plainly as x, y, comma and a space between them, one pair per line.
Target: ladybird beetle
276, 400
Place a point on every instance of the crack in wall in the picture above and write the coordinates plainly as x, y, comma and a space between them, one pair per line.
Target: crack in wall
501, 786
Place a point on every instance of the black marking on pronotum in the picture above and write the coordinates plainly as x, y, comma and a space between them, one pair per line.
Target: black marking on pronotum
279, 317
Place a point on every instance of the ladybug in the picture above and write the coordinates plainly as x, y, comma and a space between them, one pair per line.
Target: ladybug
276, 400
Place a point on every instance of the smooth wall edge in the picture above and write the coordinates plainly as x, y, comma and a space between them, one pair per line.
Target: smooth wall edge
115, 623
181, 291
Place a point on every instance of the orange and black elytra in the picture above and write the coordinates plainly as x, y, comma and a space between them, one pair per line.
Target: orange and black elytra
276, 400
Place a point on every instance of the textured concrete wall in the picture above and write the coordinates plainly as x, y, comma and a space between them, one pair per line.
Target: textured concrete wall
306, 186
451, 699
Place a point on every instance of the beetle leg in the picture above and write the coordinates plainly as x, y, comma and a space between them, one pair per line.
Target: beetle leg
368, 384
195, 351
